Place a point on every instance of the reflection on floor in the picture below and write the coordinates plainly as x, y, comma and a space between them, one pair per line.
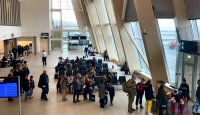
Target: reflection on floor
55, 105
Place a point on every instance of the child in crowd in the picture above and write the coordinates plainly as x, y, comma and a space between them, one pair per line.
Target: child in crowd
31, 85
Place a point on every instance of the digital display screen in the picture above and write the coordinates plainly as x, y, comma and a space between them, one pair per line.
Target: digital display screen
8, 90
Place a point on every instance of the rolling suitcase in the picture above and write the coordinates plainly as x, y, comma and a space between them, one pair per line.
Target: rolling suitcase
196, 108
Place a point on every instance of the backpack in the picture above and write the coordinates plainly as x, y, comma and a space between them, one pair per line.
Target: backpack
125, 87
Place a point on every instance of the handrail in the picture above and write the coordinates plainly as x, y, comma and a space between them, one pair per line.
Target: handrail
140, 52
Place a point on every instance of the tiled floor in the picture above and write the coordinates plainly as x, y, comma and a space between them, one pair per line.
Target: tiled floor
55, 106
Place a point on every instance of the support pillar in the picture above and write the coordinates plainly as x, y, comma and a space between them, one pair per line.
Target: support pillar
6, 43
194, 77
181, 21
15, 42
152, 40
35, 45
49, 45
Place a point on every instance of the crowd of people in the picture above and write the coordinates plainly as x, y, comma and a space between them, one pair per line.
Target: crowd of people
20, 69
19, 52
177, 98
82, 80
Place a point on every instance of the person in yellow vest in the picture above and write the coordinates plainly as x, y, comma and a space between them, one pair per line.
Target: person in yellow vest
132, 93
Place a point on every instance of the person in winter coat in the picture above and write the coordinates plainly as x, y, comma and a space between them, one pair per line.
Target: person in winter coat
149, 96
185, 89
131, 95
102, 91
26, 87
44, 85
140, 92
198, 91
64, 82
162, 100
77, 87
31, 85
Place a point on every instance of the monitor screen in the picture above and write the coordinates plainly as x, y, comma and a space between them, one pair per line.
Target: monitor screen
8, 90
188, 47
74, 37
83, 37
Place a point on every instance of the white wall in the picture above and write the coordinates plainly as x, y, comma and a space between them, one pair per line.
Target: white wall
35, 17
6, 31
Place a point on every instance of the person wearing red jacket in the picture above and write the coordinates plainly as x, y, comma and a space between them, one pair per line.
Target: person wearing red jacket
140, 92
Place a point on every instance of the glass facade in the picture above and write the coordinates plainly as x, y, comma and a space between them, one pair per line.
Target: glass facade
64, 23
63, 15
137, 37
169, 41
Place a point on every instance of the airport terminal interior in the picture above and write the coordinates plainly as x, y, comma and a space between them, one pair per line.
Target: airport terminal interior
157, 40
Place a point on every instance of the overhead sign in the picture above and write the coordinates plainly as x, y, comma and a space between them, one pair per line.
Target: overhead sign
44, 35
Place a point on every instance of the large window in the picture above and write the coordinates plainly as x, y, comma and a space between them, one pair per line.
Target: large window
56, 20
63, 15
168, 36
64, 22
69, 20
56, 4
137, 37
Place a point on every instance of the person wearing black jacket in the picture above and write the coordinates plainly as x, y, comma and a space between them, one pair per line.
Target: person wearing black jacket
26, 87
162, 100
198, 91
110, 87
44, 84
149, 96
3, 63
77, 87
185, 90
102, 92
24, 72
